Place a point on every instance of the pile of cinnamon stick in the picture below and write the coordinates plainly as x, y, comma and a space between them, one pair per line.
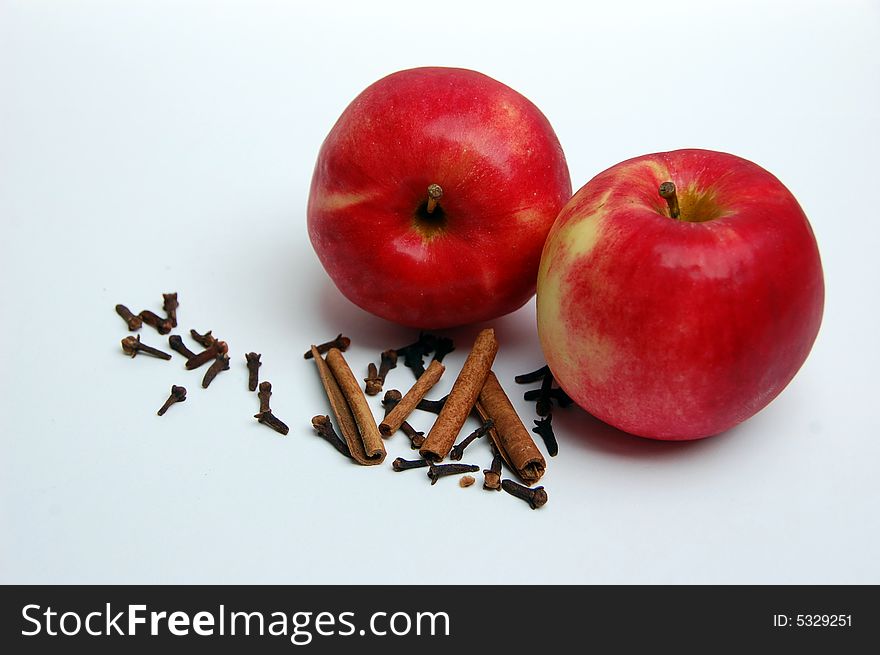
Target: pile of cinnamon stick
476, 389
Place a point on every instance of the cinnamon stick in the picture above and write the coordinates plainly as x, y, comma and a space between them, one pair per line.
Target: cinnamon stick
344, 418
357, 402
407, 404
510, 436
461, 399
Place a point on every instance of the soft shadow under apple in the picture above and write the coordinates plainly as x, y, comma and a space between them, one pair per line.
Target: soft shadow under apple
578, 430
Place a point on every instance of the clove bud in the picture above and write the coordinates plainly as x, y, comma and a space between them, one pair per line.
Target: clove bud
536, 497
433, 406
253, 366
221, 363
325, 430
133, 321
544, 428
437, 471
401, 464
178, 395
206, 340
213, 351
265, 414
457, 451
340, 342
374, 384
534, 376
132, 346
162, 325
177, 345
492, 475
170, 305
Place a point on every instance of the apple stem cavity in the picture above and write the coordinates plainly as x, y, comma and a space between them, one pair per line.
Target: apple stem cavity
667, 191
435, 192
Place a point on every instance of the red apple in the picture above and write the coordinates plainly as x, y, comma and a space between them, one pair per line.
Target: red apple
679, 328
470, 255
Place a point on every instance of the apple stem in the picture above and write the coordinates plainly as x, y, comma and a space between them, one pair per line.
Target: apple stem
434, 194
667, 191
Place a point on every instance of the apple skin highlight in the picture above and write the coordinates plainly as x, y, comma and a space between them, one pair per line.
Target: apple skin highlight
679, 329
504, 179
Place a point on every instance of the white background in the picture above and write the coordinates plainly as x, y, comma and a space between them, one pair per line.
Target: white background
148, 147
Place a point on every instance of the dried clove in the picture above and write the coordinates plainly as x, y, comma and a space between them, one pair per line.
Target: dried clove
433, 406
546, 393
221, 363
132, 346
414, 353
388, 362
444, 346
325, 430
492, 475
401, 464
264, 394
162, 325
170, 305
534, 376
457, 451
437, 471
466, 481
340, 342
253, 366
536, 497
178, 395
425, 344
133, 320
544, 428
206, 340
265, 414
390, 400
268, 418
416, 438
562, 399
542, 406
373, 383
211, 352
376, 378
415, 361
177, 345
